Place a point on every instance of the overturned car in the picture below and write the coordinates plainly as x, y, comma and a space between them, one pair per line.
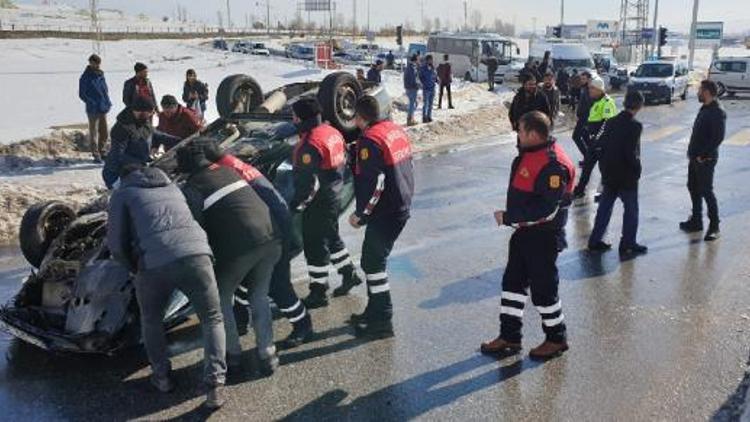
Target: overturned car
79, 300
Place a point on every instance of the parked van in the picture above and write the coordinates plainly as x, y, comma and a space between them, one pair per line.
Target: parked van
467, 51
565, 55
660, 80
731, 74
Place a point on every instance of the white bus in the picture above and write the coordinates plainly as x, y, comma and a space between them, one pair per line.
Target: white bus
468, 50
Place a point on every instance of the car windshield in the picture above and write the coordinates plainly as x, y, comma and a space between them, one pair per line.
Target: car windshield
654, 70
573, 63
259, 46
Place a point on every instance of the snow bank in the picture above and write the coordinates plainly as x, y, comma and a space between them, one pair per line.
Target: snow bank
59, 148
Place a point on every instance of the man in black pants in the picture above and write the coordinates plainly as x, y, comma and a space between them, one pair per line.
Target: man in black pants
542, 178
384, 185
319, 159
703, 152
583, 104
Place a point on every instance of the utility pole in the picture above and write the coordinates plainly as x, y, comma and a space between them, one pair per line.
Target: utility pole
655, 46
466, 15
693, 30
354, 19
368, 16
229, 17
96, 31
421, 13
562, 14
268, 17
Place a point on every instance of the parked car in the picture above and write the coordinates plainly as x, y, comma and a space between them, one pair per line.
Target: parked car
731, 74
303, 52
220, 44
660, 80
79, 300
259, 49
241, 46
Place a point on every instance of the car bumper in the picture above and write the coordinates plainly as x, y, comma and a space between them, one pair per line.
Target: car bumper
652, 92
42, 338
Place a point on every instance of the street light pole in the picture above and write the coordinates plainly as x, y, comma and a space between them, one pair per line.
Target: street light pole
655, 38
562, 14
692, 33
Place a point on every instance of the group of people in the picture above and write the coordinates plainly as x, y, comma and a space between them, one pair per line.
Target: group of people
421, 74
176, 121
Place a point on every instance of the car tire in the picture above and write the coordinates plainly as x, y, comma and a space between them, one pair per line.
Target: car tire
40, 225
721, 89
337, 95
467, 77
230, 96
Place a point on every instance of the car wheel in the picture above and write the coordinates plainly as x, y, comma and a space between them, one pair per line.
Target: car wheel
40, 225
338, 94
467, 77
238, 94
722, 89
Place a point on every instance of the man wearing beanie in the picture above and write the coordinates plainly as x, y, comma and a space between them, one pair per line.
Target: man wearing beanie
131, 139
139, 86
319, 159
176, 121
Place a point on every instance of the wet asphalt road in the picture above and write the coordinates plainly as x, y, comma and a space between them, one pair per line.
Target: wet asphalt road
663, 337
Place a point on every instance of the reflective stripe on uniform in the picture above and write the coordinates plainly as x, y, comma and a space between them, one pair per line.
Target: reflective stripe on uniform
516, 297
549, 309
293, 307
377, 276
553, 322
508, 310
221, 193
380, 288
340, 254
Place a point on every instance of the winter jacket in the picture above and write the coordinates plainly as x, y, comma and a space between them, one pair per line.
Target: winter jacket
553, 99
149, 223
584, 103
373, 75
445, 73
131, 143
620, 161
411, 81
524, 103
198, 87
708, 132
137, 87
427, 77
92, 90
183, 123
491, 63
235, 218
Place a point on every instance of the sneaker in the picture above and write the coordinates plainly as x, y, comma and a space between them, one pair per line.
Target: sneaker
267, 366
633, 251
599, 246
316, 299
548, 350
301, 334
499, 346
712, 234
691, 225
351, 280
163, 383
215, 397
374, 329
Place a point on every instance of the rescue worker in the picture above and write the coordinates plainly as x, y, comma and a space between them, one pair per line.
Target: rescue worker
384, 186
528, 98
319, 159
603, 108
246, 245
703, 152
541, 182
281, 291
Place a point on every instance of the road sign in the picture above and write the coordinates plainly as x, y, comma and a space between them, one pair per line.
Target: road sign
647, 33
317, 5
708, 34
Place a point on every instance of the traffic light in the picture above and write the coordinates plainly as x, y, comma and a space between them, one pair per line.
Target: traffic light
662, 36
557, 31
399, 35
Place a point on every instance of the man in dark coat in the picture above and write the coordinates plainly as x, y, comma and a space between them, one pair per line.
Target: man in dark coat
703, 152
620, 165
139, 86
492, 65
583, 107
528, 98
92, 90
445, 77
131, 140
195, 93
151, 232
373, 75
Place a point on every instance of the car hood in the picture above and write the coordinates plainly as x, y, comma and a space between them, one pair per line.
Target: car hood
637, 80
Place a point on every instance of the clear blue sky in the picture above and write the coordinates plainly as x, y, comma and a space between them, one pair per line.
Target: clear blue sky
675, 14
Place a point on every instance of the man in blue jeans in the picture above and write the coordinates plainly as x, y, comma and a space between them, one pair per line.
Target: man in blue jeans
620, 165
428, 77
411, 86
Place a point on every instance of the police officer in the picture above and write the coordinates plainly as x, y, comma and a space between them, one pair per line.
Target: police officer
603, 108
541, 180
384, 185
319, 159
281, 290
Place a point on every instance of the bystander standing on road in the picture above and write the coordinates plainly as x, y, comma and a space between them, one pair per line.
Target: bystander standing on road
563, 84
528, 98
151, 232
492, 64
411, 86
427, 77
445, 77
374, 74
195, 93
93, 91
553, 95
703, 152
390, 60
620, 165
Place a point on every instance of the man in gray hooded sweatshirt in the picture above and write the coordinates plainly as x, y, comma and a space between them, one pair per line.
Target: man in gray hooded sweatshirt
151, 231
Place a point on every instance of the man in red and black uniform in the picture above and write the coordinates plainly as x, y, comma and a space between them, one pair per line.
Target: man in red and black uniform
319, 163
384, 185
541, 183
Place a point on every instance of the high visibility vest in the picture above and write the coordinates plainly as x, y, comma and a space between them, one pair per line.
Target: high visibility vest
603, 109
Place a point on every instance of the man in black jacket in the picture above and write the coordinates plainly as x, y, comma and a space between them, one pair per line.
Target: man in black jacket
583, 107
528, 98
620, 164
703, 152
139, 86
132, 137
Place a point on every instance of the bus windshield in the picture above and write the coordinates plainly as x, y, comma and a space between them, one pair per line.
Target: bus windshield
499, 49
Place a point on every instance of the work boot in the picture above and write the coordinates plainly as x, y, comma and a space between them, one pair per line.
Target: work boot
350, 281
267, 366
628, 252
500, 346
302, 332
713, 233
215, 397
692, 225
374, 328
599, 246
548, 350
450, 107
163, 383
317, 297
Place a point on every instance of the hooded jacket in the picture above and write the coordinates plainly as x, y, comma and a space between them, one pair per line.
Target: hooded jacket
131, 143
149, 223
92, 90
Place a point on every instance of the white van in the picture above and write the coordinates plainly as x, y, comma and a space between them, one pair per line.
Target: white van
731, 74
565, 55
467, 51
660, 80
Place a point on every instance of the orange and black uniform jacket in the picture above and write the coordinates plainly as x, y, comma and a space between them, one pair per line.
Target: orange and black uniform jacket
541, 183
319, 161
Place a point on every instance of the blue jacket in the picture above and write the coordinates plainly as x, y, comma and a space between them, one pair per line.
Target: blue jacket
410, 77
427, 76
131, 143
92, 90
